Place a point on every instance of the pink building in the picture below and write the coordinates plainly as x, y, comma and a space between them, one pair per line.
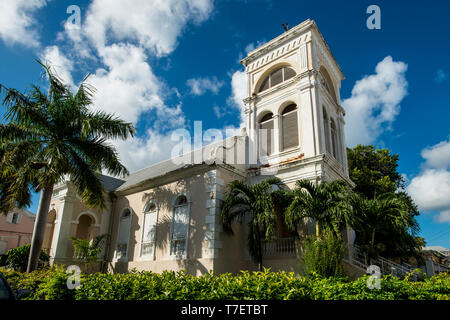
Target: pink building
16, 229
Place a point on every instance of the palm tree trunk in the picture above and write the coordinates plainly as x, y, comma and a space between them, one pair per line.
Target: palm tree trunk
39, 228
317, 230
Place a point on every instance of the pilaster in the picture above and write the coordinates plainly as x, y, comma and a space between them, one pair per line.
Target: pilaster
216, 194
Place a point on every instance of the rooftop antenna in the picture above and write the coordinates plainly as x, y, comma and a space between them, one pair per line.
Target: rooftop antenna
285, 26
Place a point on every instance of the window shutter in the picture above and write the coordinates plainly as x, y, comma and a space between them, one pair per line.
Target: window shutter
266, 140
19, 217
290, 130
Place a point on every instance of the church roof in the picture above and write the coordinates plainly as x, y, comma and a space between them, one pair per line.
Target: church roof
160, 169
110, 183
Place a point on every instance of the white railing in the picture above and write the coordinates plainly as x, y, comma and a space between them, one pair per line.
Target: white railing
360, 259
279, 247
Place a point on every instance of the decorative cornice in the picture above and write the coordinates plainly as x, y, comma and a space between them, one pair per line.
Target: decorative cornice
283, 38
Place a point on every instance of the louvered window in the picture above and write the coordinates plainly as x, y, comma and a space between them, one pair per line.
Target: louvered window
334, 139
266, 134
276, 77
289, 127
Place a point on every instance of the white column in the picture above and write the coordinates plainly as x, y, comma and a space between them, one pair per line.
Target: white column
276, 135
343, 145
62, 229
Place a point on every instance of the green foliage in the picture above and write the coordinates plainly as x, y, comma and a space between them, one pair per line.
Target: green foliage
266, 285
374, 171
86, 251
323, 256
47, 135
258, 202
324, 202
17, 258
375, 174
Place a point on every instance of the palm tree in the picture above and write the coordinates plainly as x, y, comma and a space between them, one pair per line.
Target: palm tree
52, 135
384, 215
257, 202
324, 203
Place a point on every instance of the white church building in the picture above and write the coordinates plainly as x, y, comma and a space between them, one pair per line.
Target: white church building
167, 216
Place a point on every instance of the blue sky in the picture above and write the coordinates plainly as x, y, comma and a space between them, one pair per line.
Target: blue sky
164, 65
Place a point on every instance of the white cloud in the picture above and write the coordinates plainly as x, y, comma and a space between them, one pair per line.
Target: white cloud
155, 25
118, 38
140, 152
438, 156
199, 86
444, 216
60, 63
375, 102
17, 21
430, 189
239, 92
218, 112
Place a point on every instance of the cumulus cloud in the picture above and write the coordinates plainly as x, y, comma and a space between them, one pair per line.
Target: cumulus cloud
438, 156
430, 189
198, 86
116, 40
17, 21
375, 102
238, 92
156, 25
60, 63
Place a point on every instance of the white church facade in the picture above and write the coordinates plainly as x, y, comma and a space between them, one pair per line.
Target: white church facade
167, 216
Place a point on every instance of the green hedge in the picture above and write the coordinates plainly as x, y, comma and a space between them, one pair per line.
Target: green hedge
51, 285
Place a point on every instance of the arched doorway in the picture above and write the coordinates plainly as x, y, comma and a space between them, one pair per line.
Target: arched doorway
84, 228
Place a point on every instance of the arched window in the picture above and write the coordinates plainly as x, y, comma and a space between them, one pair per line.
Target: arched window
289, 126
334, 139
148, 240
328, 83
326, 129
266, 134
276, 77
124, 235
180, 227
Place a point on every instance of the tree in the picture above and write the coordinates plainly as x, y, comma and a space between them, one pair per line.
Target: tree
324, 203
379, 221
53, 134
257, 202
375, 172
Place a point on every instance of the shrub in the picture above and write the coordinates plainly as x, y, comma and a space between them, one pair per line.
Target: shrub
17, 258
323, 256
51, 284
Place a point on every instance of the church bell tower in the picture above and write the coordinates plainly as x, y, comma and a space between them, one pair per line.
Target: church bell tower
293, 117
